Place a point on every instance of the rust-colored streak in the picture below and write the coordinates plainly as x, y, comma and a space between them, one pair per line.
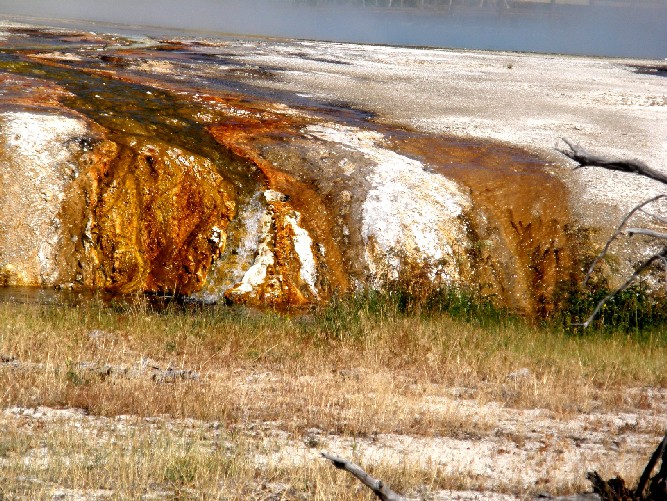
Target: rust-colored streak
29, 92
155, 219
144, 214
246, 137
520, 219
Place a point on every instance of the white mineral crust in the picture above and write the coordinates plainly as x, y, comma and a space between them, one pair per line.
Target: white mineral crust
409, 215
303, 245
35, 166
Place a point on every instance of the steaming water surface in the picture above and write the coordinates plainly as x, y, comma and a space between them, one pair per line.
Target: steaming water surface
633, 30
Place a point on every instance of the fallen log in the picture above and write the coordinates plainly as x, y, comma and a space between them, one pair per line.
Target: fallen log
379, 488
586, 159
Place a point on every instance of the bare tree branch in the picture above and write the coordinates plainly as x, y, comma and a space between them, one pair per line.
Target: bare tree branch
643, 480
619, 230
379, 488
647, 232
662, 255
586, 159
657, 217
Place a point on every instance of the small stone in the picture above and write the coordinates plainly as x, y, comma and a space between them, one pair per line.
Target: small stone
520, 374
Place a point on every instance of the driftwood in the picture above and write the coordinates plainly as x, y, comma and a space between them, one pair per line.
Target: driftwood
379, 488
645, 231
587, 159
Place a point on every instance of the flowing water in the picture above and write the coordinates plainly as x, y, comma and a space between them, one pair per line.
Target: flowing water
170, 107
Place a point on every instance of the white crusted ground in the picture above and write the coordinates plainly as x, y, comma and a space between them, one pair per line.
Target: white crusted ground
35, 165
530, 100
303, 246
409, 213
514, 449
256, 274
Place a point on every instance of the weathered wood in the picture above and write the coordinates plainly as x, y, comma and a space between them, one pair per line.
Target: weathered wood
658, 485
379, 488
657, 217
615, 490
587, 159
610, 490
647, 232
657, 454
657, 257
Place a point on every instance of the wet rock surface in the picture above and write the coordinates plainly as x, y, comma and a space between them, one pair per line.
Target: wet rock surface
183, 167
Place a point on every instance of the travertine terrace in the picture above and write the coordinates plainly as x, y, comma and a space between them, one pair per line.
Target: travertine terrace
281, 172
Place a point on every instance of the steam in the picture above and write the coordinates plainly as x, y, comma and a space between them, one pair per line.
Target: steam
629, 31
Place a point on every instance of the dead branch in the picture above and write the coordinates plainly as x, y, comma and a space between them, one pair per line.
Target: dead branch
619, 231
379, 488
657, 257
647, 232
586, 159
657, 217
658, 485
610, 490
615, 489
659, 453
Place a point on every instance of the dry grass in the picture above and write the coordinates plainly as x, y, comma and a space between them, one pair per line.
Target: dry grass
137, 458
267, 379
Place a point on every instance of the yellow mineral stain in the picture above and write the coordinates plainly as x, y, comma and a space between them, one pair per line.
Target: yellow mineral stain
245, 137
147, 216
